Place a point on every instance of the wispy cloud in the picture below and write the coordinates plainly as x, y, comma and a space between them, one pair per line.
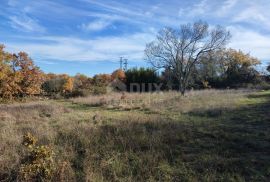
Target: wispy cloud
250, 41
116, 7
195, 10
96, 25
137, 13
226, 7
25, 23
45, 62
139, 23
12, 2
253, 15
76, 49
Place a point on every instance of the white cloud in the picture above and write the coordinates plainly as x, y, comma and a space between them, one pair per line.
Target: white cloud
200, 8
12, 2
194, 10
96, 25
226, 7
130, 46
254, 15
142, 17
25, 23
116, 7
75, 49
252, 42
137, 13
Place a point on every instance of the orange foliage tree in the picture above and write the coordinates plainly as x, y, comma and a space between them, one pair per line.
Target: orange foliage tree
18, 75
58, 84
32, 76
119, 74
68, 84
102, 79
82, 82
9, 79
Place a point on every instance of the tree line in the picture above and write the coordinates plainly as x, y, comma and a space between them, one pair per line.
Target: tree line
193, 57
196, 52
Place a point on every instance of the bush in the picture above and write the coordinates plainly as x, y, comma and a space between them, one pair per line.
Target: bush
81, 93
99, 90
39, 164
54, 85
261, 86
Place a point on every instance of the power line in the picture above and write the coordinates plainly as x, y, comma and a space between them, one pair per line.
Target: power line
121, 62
125, 64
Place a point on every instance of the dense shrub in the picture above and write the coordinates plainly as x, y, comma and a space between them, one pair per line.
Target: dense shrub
99, 90
221, 69
53, 85
58, 85
39, 164
142, 76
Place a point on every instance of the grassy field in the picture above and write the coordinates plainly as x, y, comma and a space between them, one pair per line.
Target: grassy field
207, 135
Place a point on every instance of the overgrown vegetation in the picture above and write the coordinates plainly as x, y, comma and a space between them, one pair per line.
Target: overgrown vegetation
207, 135
39, 164
80, 128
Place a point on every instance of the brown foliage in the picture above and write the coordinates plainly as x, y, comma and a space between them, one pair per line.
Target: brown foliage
119, 74
68, 85
39, 165
18, 75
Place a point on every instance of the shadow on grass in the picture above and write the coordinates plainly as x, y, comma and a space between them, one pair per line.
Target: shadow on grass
234, 145
264, 95
77, 145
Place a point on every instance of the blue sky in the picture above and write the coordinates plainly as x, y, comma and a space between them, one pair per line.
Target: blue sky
89, 36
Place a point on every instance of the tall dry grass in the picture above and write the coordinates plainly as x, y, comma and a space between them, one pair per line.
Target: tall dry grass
139, 137
15, 121
160, 101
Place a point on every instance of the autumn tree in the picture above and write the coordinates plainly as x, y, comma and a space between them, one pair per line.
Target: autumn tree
238, 67
18, 75
226, 67
100, 83
9, 79
53, 85
32, 76
68, 84
58, 84
180, 50
82, 82
119, 74
102, 79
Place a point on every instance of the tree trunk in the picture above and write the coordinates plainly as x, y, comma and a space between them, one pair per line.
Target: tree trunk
182, 88
183, 91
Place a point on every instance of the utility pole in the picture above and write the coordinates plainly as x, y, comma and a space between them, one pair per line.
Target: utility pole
125, 64
121, 62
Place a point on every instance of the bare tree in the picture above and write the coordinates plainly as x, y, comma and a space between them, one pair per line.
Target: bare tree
268, 68
179, 50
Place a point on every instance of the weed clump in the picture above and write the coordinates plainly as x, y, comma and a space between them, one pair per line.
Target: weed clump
39, 164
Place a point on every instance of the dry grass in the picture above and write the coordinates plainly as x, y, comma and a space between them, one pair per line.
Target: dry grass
210, 135
18, 119
174, 101
31, 111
